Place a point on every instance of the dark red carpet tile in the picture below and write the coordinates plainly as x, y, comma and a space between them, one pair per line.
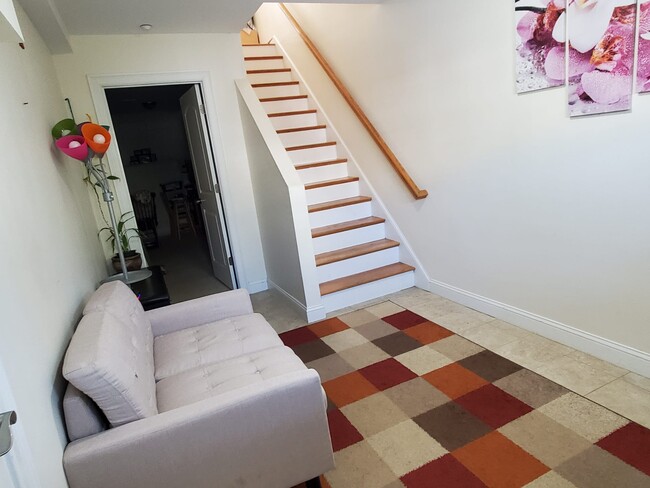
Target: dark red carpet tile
311, 351
328, 327
298, 336
404, 320
493, 406
452, 426
342, 432
397, 343
630, 444
428, 333
387, 373
490, 366
454, 380
445, 472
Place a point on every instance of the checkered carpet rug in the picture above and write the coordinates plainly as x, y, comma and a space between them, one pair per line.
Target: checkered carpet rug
411, 404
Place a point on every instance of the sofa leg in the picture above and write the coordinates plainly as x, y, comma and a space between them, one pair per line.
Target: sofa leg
313, 483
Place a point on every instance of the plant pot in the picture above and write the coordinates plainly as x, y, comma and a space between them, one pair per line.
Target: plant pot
133, 261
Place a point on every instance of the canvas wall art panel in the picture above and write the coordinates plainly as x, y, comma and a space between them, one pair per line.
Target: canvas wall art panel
540, 44
643, 56
601, 55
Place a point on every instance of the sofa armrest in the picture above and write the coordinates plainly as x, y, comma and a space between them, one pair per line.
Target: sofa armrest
270, 435
199, 311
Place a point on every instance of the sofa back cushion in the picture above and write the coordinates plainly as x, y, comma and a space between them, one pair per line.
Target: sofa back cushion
107, 362
82, 416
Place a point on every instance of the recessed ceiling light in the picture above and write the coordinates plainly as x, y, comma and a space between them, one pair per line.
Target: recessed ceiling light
146, 27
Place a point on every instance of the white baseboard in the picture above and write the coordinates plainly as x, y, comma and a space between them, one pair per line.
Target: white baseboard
625, 356
257, 286
312, 314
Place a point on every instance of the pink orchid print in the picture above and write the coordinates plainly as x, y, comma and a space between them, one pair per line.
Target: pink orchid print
643, 56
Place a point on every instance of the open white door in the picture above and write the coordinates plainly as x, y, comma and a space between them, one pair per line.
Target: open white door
198, 140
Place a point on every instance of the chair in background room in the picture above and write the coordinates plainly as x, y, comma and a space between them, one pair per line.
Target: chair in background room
175, 199
144, 209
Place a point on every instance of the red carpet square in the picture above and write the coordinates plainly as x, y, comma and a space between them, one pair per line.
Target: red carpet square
298, 336
404, 320
348, 388
631, 444
454, 380
493, 406
443, 472
328, 327
342, 431
499, 462
428, 332
388, 373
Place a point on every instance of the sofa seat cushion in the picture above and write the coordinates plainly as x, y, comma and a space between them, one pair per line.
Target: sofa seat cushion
217, 378
210, 343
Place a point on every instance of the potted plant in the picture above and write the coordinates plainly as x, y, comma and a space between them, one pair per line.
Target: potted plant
123, 238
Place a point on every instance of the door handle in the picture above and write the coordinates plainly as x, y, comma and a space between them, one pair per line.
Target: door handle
200, 200
7, 419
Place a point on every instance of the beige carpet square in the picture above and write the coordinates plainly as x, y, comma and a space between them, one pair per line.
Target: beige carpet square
364, 355
423, 360
373, 414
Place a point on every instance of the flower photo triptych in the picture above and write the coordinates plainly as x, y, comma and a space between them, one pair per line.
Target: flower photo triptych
598, 36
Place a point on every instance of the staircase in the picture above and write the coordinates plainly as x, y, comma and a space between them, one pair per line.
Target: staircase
354, 258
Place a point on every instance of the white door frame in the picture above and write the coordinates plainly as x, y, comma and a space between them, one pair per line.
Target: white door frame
98, 83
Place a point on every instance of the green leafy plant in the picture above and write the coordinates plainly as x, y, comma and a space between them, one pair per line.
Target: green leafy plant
124, 233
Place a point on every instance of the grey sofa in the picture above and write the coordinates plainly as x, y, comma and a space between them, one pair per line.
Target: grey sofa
201, 394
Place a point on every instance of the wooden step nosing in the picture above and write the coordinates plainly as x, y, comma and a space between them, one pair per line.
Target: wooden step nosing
320, 164
310, 146
291, 114
346, 226
301, 129
267, 71
334, 182
263, 58
343, 202
256, 45
283, 99
275, 83
353, 281
355, 251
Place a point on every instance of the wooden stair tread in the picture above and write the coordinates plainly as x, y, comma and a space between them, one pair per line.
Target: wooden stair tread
345, 226
300, 129
318, 164
343, 202
275, 83
376, 274
336, 181
262, 58
297, 112
311, 146
266, 71
354, 251
282, 99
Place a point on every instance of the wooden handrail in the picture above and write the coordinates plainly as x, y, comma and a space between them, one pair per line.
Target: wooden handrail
417, 192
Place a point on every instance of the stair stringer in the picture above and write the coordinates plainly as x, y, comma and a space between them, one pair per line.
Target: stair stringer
407, 255
313, 306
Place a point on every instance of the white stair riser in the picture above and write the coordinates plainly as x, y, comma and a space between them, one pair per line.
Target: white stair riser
291, 121
341, 214
369, 291
322, 173
286, 106
313, 155
265, 63
358, 264
266, 50
349, 238
303, 137
277, 91
270, 77
334, 192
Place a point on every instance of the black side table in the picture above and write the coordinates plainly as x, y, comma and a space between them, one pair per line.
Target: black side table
152, 292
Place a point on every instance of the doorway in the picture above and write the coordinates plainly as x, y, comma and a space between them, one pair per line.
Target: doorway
165, 149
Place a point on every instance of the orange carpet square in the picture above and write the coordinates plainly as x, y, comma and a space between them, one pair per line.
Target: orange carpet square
348, 388
499, 462
454, 380
428, 332
328, 327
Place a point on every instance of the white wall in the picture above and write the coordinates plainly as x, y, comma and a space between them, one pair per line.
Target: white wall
52, 259
526, 207
221, 56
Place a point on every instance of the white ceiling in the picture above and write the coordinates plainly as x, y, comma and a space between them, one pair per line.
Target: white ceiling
55, 19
